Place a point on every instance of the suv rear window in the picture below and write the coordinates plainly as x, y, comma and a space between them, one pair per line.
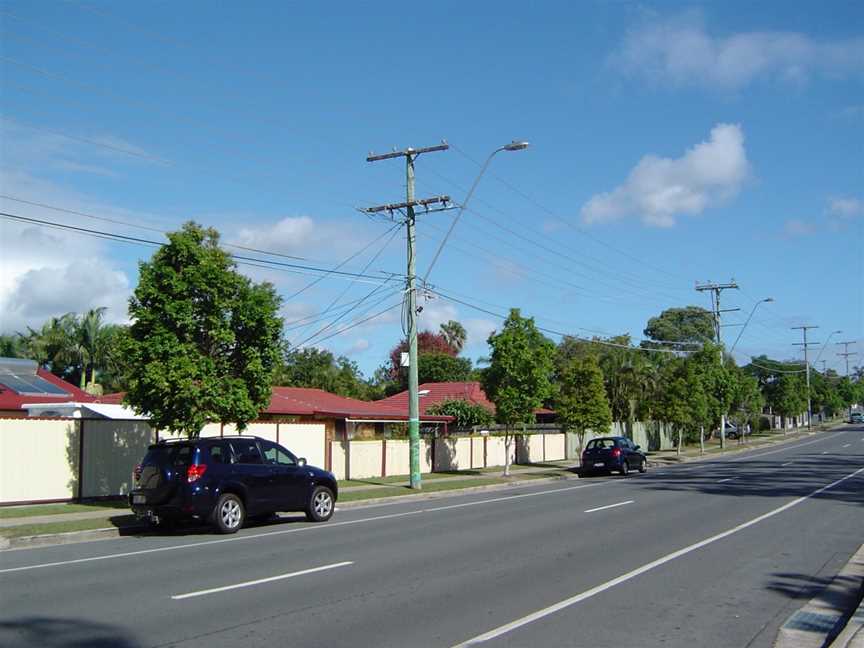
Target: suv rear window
175, 455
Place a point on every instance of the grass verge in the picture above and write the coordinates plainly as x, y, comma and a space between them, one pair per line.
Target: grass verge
59, 509
65, 527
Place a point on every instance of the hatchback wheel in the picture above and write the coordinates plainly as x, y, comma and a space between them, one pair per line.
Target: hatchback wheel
625, 469
229, 514
321, 505
643, 467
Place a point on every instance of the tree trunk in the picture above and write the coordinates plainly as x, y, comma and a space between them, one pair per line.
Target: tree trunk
678, 449
702, 439
507, 441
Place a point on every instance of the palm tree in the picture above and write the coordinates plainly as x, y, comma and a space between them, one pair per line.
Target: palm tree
454, 334
90, 340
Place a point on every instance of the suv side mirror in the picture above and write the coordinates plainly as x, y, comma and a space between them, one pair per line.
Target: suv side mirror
301, 461
636, 447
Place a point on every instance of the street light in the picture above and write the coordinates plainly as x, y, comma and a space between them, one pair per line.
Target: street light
755, 306
828, 339
512, 146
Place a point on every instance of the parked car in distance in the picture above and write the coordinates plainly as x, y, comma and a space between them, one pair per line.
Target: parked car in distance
227, 480
856, 417
733, 431
609, 454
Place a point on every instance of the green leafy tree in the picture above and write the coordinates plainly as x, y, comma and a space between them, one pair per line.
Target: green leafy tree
788, 395
11, 346
683, 403
466, 414
691, 324
581, 401
205, 339
320, 369
518, 379
747, 400
441, 367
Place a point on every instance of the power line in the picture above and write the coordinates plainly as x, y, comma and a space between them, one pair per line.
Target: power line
139, 241
437, 291
566, 222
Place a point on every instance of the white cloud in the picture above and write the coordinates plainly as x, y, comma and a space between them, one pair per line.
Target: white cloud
798, 227
437, 312
845, 208
50, 291
658, 189
681, 51
359, 346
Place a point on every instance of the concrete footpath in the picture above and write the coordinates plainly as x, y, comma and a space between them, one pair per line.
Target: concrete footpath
826, 620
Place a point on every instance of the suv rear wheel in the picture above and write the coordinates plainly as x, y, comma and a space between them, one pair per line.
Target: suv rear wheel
321, 505
229, 513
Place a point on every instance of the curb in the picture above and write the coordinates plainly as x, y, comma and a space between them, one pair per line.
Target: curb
69, 537
395, 499
823, 618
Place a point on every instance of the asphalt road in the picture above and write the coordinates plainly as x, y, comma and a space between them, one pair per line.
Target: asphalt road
708, 554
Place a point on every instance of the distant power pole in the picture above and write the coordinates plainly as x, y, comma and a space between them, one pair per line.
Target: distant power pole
845, 355
407, 210
716, 312
807, 346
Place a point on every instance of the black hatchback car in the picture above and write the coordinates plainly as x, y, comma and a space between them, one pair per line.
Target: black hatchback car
613, 453
228, 480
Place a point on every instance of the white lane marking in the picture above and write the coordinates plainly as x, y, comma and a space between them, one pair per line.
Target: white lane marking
539, 614
788, 463
608, 506
826, 452
728, 479
260, 581
765, 454
847, 445
319, 527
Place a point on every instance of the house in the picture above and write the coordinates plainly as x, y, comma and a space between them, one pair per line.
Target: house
471, 391
24, 383
344, 418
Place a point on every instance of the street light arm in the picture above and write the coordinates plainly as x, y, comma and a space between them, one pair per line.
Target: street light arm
741, 332
512, 146
459, 213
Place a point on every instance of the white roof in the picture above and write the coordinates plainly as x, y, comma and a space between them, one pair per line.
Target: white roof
100, 410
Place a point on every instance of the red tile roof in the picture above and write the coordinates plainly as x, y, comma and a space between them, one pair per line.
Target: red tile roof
433, 393
9, 400
304, 401
111, 399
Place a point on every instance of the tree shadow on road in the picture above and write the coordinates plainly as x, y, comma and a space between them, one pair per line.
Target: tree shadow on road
768, 479
47, 632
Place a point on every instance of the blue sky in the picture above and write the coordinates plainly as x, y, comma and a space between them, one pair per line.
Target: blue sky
670, 143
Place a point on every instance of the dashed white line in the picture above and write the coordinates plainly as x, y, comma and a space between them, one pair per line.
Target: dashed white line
260, 581
608, 506
728, 479
552, 609
847, 445
788, 463
826, 452
304, 529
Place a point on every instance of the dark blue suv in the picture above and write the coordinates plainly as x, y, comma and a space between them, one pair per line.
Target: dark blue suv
228, 480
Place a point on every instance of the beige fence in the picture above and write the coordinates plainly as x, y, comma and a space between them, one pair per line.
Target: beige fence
385, 457
43, 460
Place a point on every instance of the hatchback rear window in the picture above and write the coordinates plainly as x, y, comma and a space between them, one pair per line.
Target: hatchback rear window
168, 455
600, 444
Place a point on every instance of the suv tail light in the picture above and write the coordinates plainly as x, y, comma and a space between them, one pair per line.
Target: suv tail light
616, 452
195, 471
136, 472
